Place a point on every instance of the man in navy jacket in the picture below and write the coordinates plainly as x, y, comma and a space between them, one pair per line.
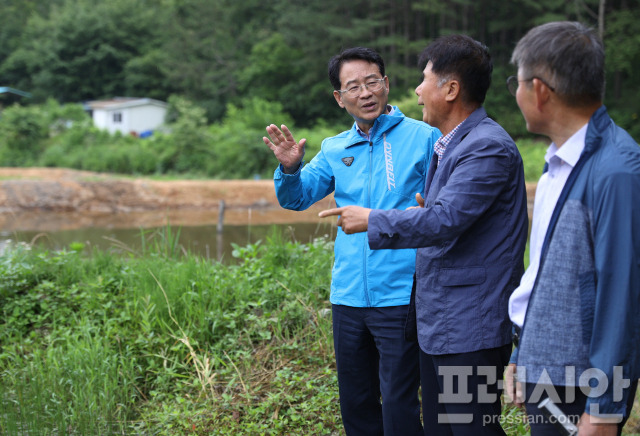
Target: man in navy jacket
576, 309
470, 234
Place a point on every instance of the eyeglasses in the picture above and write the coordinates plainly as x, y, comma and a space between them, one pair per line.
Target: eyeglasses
372, 85
512, 84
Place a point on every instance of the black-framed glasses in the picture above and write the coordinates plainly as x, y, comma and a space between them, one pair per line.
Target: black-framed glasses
372, 85
512, 83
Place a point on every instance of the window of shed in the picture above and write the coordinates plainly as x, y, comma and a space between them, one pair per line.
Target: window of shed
117, 117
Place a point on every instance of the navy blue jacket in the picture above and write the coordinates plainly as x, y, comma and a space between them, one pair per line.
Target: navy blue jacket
470, 236
583, 310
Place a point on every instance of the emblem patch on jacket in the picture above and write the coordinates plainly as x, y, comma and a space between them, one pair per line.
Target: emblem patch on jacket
347, 160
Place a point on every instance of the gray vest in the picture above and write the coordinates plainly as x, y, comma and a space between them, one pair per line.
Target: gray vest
554, 346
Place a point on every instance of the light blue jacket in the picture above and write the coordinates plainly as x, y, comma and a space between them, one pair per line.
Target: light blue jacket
383, 173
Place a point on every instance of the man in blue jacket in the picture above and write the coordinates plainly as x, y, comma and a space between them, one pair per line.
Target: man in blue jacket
381, 162
470, 234
576, 309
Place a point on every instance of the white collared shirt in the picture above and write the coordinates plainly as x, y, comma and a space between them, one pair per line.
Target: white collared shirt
561, 162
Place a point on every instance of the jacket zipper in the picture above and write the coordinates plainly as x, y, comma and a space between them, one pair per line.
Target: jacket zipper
364, 247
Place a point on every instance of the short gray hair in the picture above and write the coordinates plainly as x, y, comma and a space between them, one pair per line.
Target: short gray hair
569, 56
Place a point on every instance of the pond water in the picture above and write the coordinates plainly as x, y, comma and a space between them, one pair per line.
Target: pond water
197, 233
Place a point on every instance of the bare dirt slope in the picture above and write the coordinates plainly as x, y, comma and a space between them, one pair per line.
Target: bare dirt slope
59, 189
55, 198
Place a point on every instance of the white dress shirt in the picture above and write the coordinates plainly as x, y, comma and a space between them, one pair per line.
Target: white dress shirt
561, 161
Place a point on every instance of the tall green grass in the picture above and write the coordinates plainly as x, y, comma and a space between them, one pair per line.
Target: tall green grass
167, 343
77, 385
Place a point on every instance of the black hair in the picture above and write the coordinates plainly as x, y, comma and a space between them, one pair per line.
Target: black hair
463, 58
352, 54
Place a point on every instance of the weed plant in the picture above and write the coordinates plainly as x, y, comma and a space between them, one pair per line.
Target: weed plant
161, 342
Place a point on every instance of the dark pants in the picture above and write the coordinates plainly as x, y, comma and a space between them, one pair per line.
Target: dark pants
574, 408
460, 394
375, 360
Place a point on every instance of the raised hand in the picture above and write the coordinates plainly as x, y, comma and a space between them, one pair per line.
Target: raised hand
288, 152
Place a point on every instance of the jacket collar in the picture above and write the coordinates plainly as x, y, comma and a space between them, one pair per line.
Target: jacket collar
598, 123
467, 125
381, 125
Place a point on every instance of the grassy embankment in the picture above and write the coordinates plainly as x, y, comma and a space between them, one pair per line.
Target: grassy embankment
155, 342
159, 343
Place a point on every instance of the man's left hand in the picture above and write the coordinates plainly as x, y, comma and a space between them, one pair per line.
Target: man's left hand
593, 426
352, 219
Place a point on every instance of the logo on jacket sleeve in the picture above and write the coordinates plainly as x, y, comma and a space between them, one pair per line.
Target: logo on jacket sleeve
347, 160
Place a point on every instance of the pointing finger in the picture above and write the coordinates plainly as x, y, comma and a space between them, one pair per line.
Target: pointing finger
331, 212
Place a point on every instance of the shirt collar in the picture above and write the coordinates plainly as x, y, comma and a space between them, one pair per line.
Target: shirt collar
571, 150
446, 139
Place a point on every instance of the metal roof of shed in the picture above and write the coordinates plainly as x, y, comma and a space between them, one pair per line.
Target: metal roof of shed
8, 90
124, 102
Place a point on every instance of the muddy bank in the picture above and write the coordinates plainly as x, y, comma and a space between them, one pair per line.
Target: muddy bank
52, 189
49, 199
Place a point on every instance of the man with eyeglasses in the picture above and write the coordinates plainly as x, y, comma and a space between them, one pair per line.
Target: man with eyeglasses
576, 310
381, 162
470, 234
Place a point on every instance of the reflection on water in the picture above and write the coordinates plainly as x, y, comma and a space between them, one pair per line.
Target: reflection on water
202, 240
196, 228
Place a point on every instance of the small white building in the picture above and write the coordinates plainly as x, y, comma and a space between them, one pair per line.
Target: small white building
134, 116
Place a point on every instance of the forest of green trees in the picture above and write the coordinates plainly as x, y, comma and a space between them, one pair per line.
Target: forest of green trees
222, 55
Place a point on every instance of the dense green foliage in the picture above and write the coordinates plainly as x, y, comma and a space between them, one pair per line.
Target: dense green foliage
157, 343
229, 68
221, 53
63, 136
